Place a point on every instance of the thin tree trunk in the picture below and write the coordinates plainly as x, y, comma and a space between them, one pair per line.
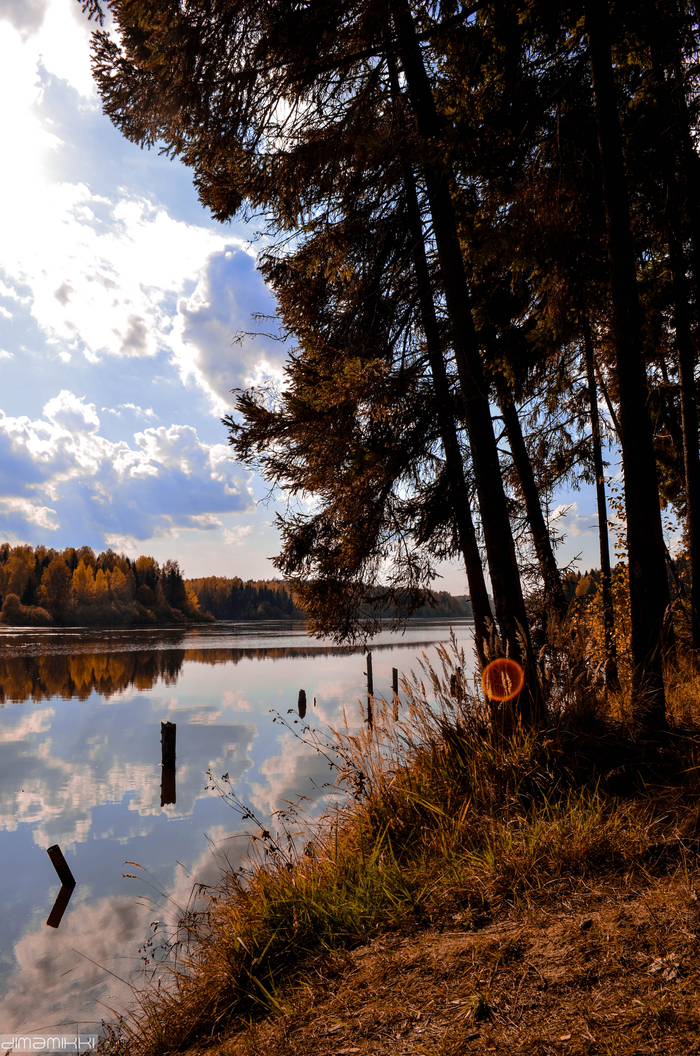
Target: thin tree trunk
553, 588
649, 594
689, 423
498, 537
481, 609
611, 676
687, 156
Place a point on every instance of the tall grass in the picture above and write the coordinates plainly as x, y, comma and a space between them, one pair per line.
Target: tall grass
444, 820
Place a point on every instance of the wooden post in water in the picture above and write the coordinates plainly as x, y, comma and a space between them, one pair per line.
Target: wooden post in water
370, 691
67, 885
395, 691
167, 777
167, 743
61, 866
301, 704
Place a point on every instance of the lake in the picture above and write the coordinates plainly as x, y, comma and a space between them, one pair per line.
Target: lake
80, 766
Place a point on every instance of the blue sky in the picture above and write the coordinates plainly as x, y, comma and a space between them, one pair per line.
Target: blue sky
119, 301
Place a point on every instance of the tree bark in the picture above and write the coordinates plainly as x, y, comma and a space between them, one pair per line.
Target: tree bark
611, 676
649, 594
678, 164
689, 422
553, 588
481, 608
498, 537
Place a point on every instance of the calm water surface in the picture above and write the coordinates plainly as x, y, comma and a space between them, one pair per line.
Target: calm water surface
80, 756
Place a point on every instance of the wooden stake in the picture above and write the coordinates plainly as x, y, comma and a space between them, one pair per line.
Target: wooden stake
370, 690
301, 704
61, 866
395, 691
167, 743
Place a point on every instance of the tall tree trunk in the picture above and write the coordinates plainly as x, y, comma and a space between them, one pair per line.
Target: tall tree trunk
481, 609
553, 588
678, 174
689, 422
611, 676
649, 594
498, 537
687, 158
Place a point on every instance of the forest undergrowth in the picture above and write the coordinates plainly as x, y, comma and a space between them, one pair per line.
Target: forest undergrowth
446, 819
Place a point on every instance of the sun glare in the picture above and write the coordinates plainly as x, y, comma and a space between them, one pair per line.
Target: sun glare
502, 679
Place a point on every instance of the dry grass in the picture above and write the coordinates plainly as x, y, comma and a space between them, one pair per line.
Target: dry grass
607, 969
450, 824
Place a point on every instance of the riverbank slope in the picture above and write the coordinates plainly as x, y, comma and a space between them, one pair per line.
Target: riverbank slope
476, 890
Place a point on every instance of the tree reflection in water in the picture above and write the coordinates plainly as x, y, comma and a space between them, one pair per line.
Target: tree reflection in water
78, 675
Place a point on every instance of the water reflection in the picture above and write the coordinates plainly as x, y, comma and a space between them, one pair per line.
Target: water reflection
60, 906
82, 765
78, 675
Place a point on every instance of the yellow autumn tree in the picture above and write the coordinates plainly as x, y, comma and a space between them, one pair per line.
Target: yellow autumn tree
102, 585
55, 586
83, 584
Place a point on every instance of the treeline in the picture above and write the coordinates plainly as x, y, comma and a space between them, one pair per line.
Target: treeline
41, 586
442, 605
232, 599
271, 599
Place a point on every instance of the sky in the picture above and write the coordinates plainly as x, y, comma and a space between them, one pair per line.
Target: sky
120, 302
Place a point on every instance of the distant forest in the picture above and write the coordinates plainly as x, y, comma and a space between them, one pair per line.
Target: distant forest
232, 599
40, 586
75, 588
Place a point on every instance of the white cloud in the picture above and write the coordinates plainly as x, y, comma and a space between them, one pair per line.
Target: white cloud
100, 275
237, 536
138, 411
212, 338
29, 512
573, 523
71, 413
236, 699
169, 479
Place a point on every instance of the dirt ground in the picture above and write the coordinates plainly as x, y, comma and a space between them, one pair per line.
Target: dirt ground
608, 970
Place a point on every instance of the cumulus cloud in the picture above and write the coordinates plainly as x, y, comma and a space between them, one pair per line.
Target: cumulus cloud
59, 471
108, 272
213, 332
102, 276
569, 520
71, 413
237, 536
